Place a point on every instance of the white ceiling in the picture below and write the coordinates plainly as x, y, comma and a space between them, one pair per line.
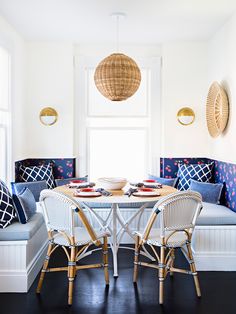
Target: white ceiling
89, 21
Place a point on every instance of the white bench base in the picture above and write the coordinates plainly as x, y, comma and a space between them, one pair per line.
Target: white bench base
21, 261
214, 248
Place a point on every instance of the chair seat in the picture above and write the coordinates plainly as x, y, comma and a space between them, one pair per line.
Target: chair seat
81, 237
178, 239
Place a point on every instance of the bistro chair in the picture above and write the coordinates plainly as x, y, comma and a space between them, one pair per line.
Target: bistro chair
178, 213
59, 211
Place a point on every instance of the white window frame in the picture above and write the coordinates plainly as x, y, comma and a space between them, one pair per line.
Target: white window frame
81, 112
7, 125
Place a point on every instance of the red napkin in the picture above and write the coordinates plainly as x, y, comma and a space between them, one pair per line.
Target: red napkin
87, 190
145, 189
77, 181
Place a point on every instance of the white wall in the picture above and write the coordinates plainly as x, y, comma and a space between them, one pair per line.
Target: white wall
222, 68
50, 82
11, 40
184, 81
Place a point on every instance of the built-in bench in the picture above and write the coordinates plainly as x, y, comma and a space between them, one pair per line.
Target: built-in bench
22, 251
214, 238
23, 246
214, 242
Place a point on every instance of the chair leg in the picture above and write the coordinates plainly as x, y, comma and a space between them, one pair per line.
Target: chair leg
136, 256
105, 260
71, 273
193, 270
45, 266
172, 256
161, 274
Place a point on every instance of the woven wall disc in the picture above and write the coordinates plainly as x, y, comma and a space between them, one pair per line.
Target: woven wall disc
217, 109
117, 77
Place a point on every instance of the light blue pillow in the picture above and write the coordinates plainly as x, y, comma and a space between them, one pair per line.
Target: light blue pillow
35, 187
164, 181
25, 205
211, 192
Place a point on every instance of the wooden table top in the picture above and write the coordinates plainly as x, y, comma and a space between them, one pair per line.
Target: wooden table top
118, 196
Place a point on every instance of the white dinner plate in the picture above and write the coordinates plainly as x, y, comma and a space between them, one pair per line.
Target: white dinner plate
146, 194
78, 184
156, 184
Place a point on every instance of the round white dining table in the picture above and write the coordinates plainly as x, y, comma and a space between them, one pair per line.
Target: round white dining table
115, 223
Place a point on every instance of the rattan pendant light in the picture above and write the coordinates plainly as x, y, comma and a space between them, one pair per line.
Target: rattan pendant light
117, 77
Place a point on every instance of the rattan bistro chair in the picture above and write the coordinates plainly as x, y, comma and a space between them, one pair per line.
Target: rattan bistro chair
178, 213
59, 211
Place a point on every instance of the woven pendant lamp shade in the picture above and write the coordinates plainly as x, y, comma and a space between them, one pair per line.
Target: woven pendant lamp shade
117, 77
217, 109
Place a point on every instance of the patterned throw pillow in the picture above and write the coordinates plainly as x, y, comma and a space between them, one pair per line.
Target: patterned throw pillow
25, 205
198, 172
38, 173
7, 211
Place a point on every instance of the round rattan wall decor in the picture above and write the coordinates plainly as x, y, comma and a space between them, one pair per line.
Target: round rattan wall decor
217, 109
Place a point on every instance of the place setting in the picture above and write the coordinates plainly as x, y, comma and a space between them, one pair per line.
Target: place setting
101, 188
146, 188
104, 186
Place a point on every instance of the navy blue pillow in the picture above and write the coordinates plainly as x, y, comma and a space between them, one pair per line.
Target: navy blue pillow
164, 181
7, 211
211, 192
25, 205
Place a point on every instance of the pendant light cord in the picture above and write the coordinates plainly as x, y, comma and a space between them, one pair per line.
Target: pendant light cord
117, 33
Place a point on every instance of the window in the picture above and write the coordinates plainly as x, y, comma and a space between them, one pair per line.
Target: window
4, 115
118, 138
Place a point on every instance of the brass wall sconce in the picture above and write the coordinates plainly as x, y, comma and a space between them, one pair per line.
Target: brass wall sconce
48, 116
186, 116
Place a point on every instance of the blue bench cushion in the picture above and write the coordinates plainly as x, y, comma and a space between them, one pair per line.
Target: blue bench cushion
213, 214
17, 231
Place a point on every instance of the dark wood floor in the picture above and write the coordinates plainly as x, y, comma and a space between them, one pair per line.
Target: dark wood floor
91, 296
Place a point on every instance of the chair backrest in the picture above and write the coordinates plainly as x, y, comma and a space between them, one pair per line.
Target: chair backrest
178, 211
59, 210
